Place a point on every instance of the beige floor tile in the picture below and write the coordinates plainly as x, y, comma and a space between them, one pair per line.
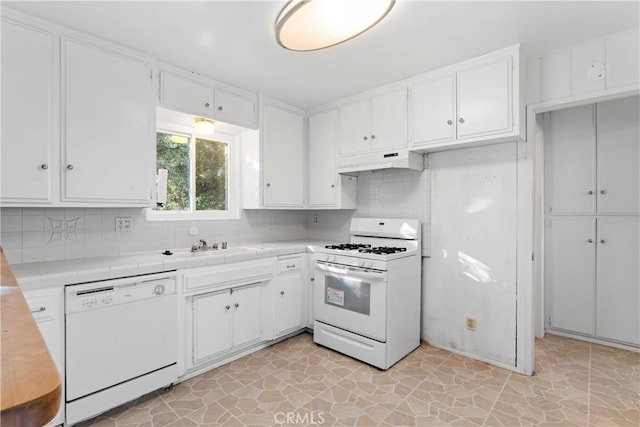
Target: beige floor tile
297, 382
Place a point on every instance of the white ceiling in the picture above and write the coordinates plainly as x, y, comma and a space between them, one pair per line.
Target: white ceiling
233, 41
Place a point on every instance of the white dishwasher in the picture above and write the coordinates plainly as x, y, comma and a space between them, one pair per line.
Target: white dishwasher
121, 342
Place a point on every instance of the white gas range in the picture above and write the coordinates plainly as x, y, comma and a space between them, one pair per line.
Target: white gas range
367, 291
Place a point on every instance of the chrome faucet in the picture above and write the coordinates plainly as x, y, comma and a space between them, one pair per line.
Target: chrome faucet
201, 246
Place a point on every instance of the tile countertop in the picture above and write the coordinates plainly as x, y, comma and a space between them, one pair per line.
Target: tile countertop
39, 275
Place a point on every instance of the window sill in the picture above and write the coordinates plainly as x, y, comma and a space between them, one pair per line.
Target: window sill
151, 215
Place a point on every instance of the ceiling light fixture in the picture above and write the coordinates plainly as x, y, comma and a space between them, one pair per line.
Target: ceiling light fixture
305, 25
204, 126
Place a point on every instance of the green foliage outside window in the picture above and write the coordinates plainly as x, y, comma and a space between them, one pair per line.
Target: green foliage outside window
175, 158
210, 172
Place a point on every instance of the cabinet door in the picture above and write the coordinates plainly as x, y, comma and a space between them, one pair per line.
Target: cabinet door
108, 125
186, 95
623, 59
27, 113
571, 250
619, 155
247, 314
389, 120
211, 325
234, 108
587, 68
484, 100
323, 177
570, 162
618, 279
432, 111
47, 308
289, 303
354, 128
283, 157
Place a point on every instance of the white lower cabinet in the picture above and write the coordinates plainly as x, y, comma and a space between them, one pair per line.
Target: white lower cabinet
47, 308
226, 319
290, 295
592, 277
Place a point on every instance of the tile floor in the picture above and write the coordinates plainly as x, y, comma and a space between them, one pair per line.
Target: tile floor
298, 383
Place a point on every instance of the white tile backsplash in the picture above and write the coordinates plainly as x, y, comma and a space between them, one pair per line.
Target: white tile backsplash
27, 233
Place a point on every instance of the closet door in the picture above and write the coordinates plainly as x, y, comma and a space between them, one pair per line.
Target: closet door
570, 154
570, 255
618, 135
618, 279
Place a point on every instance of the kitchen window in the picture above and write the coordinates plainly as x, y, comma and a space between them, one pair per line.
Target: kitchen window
202, 174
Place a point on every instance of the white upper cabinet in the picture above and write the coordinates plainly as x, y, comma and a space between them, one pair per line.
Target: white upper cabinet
326, 187
108, 124
618, 156
282, 155
477, 101
78, 118
609, 65
623, 62
433, 110
484, 99
201, 96
186, 95
592, 159
27, 113
235, 108
571, 189
373, 124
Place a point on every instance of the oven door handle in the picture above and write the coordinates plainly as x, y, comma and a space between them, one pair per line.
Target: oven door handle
352, 272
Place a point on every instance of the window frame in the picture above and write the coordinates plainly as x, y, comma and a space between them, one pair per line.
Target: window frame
233, 177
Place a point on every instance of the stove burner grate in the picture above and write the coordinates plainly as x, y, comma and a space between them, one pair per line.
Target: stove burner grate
382, 250
349, 246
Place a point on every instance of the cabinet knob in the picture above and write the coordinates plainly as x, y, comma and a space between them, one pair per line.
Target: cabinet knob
449, 122
333, 186
39, 310
603, 192
206, 104
365, 138
44, 166
281, 292
313, 279
220, 108
227, 307
590, 240
373, 137
589, 192
69, 167
236, 305
268, 184
461, 120
601, 240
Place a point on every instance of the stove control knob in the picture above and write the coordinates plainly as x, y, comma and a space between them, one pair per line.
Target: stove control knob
332, 258
367, 264
361, 263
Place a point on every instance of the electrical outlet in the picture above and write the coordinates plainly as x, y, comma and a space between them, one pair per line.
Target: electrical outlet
471, 323
124, 224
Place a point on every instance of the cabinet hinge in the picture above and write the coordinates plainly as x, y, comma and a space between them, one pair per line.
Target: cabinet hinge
532, 256
150, 74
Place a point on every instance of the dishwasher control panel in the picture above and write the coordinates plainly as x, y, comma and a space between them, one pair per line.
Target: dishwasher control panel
108, 293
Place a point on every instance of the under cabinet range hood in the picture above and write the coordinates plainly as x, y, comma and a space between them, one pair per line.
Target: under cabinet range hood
400, 159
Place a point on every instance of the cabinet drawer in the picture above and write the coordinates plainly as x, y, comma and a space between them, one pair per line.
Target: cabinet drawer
235, 274
42, 307
289, 264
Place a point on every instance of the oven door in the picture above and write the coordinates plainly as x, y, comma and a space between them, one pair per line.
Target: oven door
351, 298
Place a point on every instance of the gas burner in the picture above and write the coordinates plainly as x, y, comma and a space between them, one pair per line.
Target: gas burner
349, 246
382, 250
